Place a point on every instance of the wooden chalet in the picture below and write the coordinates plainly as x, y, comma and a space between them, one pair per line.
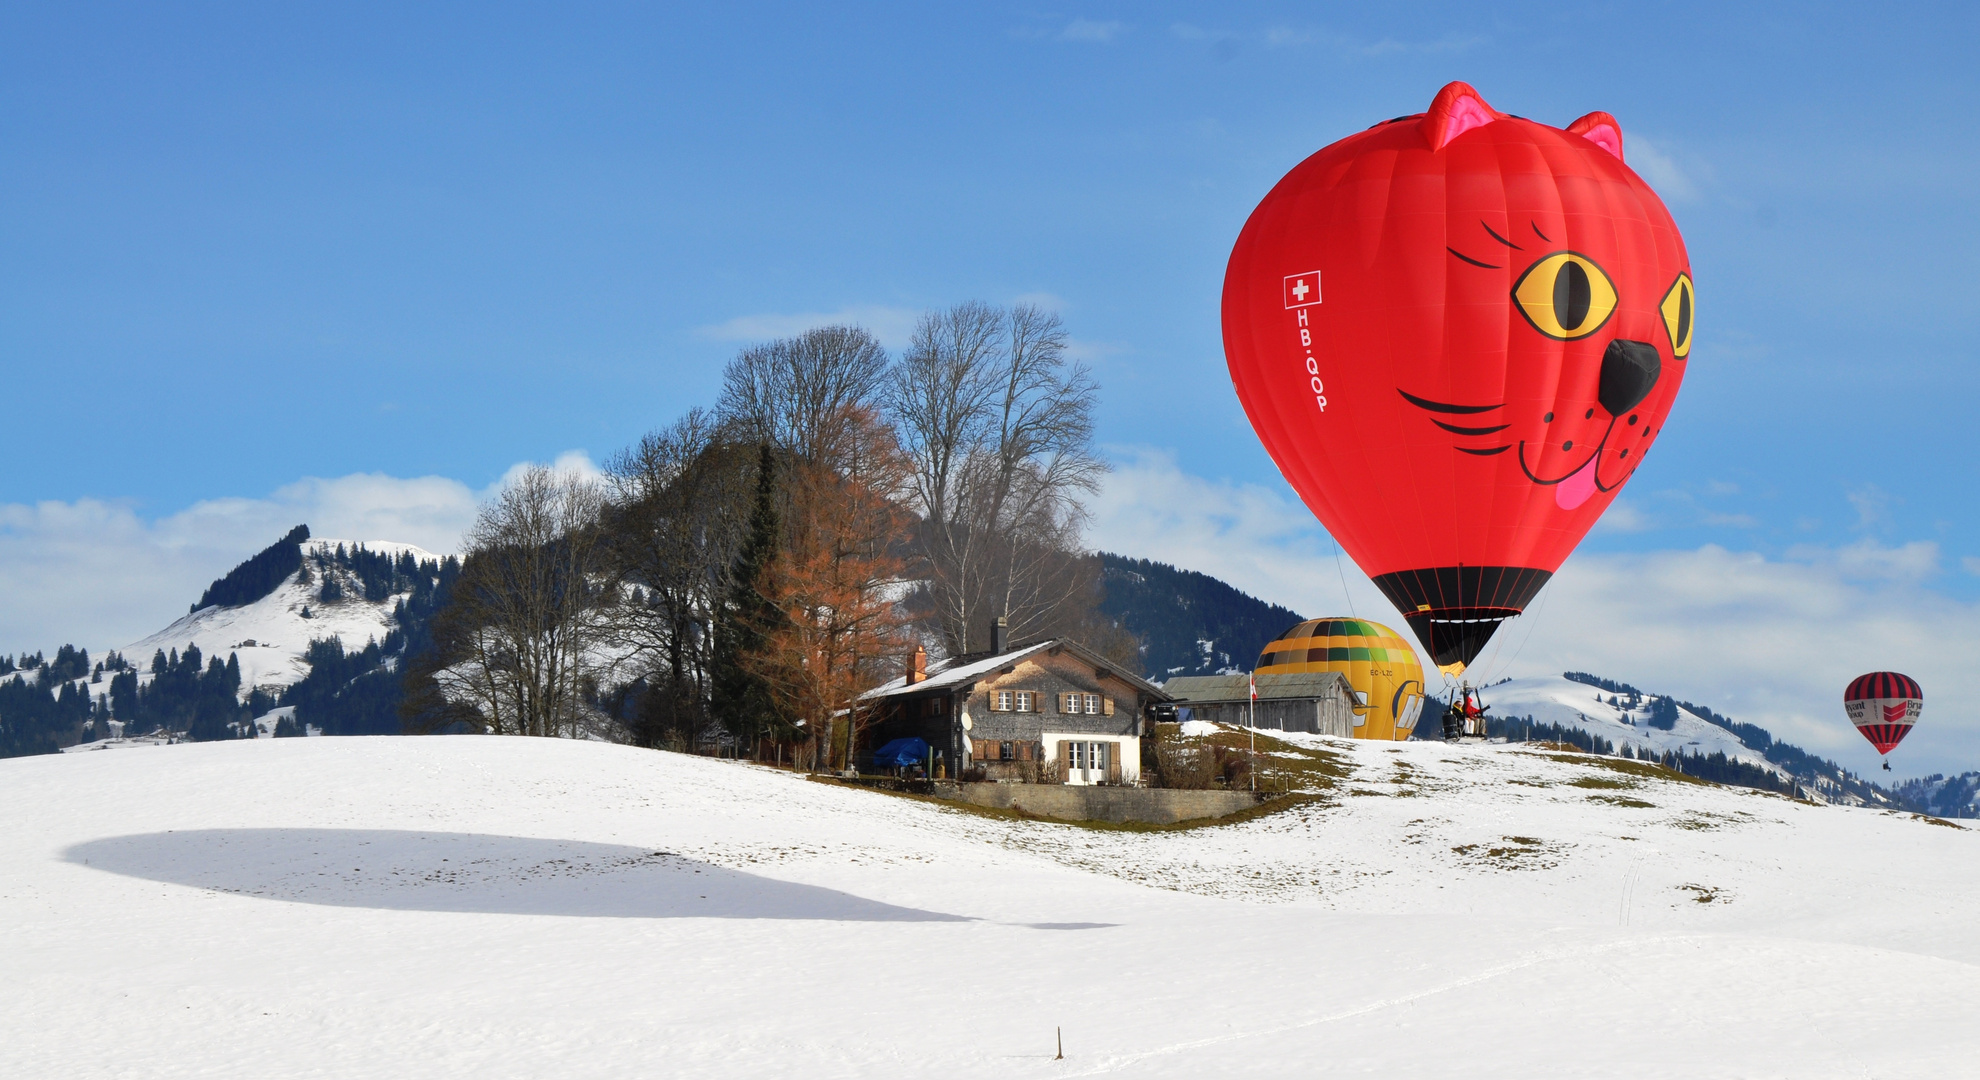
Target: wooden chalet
1049, 711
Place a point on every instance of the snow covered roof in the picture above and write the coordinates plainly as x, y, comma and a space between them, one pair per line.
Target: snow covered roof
972, 667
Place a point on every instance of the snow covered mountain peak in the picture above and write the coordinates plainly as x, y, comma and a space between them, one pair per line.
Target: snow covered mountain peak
1623, 717
327, 597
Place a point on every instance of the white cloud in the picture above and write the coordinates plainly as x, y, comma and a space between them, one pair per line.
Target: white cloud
1659, 169
1972, 565
99, 575
1092, 30
1624, 516
892, 325
1250, 536
1771, 641
1090, 352
1873, 506
1449, 43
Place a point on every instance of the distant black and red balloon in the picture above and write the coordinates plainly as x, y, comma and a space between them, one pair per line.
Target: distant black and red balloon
1884, 705
1457, 334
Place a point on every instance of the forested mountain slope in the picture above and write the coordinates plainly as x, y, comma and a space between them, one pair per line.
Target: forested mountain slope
1189, 623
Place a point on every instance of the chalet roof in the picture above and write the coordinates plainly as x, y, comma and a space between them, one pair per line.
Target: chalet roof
1206, 689
952, 672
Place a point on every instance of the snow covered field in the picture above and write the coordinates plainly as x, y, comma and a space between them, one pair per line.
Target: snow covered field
427, 907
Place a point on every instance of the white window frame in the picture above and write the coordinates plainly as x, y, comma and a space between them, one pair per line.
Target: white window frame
1088, 754
1091, 703
1027, 701
1000, 700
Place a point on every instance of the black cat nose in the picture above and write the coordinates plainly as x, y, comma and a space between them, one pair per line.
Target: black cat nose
1629, 370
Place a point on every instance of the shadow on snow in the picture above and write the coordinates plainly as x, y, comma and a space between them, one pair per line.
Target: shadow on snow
472, 872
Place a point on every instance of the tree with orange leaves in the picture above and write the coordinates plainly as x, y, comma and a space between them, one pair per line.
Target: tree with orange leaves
837, 582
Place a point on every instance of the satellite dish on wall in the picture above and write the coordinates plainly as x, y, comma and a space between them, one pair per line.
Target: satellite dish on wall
966, 722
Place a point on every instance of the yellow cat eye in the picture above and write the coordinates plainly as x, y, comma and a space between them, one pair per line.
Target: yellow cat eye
1677, 315
1565, 296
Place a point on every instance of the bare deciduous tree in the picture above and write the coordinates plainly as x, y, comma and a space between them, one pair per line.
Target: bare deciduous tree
999, 426
523, 631
676, 520
798, 393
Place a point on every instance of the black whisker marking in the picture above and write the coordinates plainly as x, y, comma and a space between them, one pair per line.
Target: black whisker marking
1538, 233
1482, 453
1469, 259
1455, 430
1501, 239
1438, 406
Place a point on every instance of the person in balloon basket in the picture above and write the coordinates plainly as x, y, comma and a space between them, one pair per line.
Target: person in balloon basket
1466, 716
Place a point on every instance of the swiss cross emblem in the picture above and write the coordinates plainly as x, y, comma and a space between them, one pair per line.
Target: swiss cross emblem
1302, 290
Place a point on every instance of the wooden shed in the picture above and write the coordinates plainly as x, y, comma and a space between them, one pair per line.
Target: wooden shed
1321, 703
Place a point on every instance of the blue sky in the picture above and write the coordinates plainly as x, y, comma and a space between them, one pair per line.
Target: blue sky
246, 246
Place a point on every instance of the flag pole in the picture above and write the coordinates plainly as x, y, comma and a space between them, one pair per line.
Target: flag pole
1252, 683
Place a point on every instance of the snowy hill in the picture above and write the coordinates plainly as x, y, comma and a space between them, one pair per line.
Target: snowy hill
1947, 796
1553, 699
271, 634
508, 907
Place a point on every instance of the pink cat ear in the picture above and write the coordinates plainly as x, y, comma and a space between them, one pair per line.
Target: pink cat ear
1456, 110
1601, 129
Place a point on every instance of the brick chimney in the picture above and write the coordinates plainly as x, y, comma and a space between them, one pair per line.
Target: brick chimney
917, 665
997, 634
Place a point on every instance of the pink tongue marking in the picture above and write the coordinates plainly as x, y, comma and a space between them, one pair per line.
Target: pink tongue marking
1576, 489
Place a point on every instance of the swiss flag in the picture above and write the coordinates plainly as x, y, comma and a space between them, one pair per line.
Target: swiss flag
1302, 290
1252, 682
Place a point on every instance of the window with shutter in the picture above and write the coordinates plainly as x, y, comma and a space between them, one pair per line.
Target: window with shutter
1092, 703
1000, 700
1026, 700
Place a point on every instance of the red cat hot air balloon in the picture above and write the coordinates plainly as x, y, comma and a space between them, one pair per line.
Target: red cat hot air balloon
1457, 334
1883, 705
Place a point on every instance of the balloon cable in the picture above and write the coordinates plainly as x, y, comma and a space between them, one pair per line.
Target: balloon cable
1514, 658
1345, 594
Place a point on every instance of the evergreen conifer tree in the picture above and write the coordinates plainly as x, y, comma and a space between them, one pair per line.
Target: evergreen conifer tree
741, 701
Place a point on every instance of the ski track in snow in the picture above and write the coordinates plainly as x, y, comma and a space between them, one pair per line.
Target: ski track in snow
491, 907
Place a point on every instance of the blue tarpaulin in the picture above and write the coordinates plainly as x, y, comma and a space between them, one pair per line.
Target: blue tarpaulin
901, 752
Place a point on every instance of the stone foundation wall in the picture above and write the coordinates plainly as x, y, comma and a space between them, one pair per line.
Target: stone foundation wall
1155, 806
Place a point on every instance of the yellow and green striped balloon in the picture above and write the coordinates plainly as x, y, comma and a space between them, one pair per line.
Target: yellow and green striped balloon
1379, 663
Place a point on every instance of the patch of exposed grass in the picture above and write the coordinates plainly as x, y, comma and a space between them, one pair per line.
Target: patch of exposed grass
1695, 822
1703, 894
1530, 783
1289, 766
1515, 853
1938, 821
1631, 767
1619, 800
1600, 782
1274, 805
1367, 791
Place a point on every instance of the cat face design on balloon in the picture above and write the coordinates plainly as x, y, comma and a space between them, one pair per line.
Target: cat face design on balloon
1585, 443
1579, 286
